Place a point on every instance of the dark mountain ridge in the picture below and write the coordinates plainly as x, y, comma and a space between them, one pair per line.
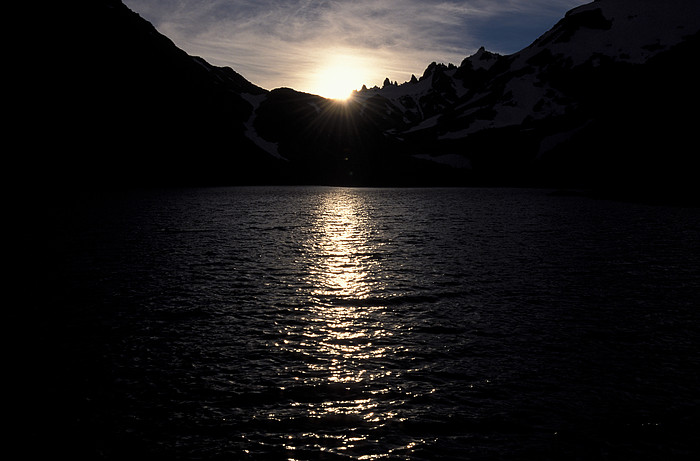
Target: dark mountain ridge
602, 100
128, 106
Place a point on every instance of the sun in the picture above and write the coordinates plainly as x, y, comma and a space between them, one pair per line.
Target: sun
339, 76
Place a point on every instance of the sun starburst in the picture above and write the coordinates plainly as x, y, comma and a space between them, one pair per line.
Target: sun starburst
340, 76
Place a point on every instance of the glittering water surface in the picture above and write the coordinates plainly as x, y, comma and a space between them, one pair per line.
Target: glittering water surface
331, 323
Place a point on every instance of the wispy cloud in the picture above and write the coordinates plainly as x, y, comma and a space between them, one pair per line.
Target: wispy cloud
277, 43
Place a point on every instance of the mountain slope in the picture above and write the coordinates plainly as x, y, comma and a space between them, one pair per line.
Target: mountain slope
612, 75
124, 105
540, 80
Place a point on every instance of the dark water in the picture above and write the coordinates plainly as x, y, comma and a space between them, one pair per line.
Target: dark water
331, 323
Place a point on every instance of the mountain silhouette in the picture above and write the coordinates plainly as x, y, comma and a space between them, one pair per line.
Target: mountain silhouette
123, 105
600, 101
606, 99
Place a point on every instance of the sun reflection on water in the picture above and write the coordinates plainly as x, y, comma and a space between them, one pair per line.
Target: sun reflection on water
342, 275
342, 329
341, 249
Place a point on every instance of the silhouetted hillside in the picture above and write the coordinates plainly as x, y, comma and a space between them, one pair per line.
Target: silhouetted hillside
125, 105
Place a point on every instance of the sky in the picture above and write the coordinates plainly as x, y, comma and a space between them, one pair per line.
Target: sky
330, 47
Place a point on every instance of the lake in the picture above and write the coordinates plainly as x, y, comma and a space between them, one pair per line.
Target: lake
308, 323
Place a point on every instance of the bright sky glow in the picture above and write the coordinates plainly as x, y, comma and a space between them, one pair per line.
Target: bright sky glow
331, 47
339, 75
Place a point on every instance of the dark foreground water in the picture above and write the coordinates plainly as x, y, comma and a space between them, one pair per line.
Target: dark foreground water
330, 323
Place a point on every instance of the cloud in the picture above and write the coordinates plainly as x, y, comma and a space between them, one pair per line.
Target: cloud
277, 43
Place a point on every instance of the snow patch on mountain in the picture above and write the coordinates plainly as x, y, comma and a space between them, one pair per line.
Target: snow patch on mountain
491, 91
481, 60
251, 133
629, 31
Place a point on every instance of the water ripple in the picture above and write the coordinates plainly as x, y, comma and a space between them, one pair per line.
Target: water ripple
330, 323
